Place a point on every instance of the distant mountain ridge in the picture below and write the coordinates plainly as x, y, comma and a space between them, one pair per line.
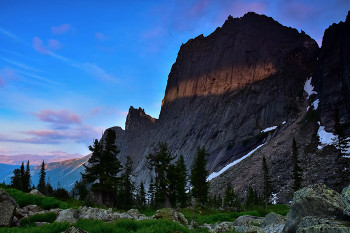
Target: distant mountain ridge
37, 159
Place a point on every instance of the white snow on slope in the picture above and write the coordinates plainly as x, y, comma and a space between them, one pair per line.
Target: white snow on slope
216, 174
326, 138
309, 88
269, 129
315, 104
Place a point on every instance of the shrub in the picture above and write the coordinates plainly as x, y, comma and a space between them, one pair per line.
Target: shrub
49, 217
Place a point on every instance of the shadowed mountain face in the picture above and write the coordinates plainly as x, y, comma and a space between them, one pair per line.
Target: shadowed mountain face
222, 91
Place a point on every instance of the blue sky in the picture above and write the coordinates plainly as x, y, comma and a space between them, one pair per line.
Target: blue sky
71, 69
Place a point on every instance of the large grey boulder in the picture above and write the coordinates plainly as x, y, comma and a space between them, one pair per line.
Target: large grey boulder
315, 200
7, 208
312, 224
68, 215
273, 223
345, 196
171, 214
96, 213
248, 223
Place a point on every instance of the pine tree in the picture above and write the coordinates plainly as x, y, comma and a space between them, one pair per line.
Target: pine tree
151, 193
26, 179
42, 185
16, 179
341, 143
141, 197
297, 171
199, 174
104, 167
181, 181
127, 188
160, 161
172, 178
267, 183
230, 198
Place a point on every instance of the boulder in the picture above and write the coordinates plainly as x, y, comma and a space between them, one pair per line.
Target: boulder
248, 223
96, 213
273, 223
315, 200
74, 229
224, 226
345, 196
37, 193
7, 208
171, 214
68, 215
29, 210
312, 224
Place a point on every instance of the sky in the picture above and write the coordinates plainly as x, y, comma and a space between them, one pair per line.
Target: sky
71, 69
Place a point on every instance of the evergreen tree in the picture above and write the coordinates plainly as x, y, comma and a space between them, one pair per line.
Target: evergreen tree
199, 174
141, 197
181, 181
48, 189
151, 193
42, 185
252, 198
267, 183
104, 167
160, 161
172, 178
297, 171
127, 188
22, 175
16, 179
341, 143
230, 198
26, 179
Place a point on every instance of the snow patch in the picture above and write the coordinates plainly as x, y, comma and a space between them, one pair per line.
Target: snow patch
269, 129
308, 88
325, 137
274, 199
216, 174
284, 122
315, 104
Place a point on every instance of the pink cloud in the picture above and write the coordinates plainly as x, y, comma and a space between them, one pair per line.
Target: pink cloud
58, 117
101, 36
62, 29
42, 133
54, 44
38, 46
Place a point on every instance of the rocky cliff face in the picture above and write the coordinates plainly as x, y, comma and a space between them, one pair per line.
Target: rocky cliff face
333, 74
225, 89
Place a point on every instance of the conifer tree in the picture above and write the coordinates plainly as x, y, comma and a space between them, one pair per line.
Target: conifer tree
42, 185
141, 200
16, 179
199, 174
172, 178
297, 171
160, 161
104, 167
26, 179
267, 183
127, 188
230, 198
181, 181
151, 193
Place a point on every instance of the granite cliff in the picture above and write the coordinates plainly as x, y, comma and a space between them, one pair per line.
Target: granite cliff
238, 88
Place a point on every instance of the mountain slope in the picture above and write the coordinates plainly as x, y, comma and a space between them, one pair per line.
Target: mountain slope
222, 91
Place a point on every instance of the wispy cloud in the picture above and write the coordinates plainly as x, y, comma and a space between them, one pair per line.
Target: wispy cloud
38, 46
61, 29
54, 44
59, 119
101, 36
9, 34
20, 65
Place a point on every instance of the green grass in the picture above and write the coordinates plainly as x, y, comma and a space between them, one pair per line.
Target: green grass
46, 203
148, 212
52, 228
30, 221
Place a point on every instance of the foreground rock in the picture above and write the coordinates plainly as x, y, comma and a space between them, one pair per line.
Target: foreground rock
273, 223
315, 200
248, 223
68, 215
7, 208
312, 224
74, 229
345, 196
167, 213
37, 193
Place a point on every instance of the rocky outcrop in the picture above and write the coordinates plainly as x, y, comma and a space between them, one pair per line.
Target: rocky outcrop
345, 196
7, 208
68, 215
248, 223
333, 75
170, 214
222, 91
37, 193
311, 224
317, 201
